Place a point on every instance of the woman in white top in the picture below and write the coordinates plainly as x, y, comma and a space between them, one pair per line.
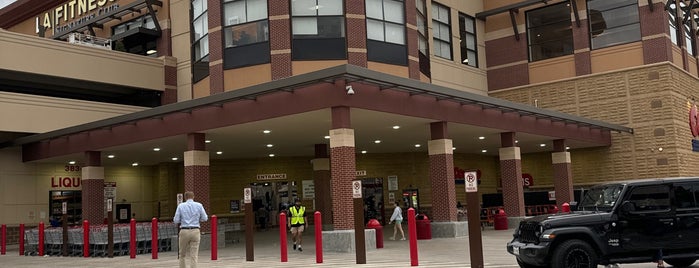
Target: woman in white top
398, 218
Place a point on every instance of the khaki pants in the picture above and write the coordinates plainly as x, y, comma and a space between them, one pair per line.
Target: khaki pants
189, 247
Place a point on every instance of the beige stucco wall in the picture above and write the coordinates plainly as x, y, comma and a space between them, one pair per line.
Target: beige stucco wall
653, 100
248, 76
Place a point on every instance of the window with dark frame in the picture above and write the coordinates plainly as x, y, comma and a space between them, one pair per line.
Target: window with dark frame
613, 22
688, 28
318, 29
441, 31
549, 32
200, 40
422, 44
672, 17
140, 46
246, 33
385, 26
468, 44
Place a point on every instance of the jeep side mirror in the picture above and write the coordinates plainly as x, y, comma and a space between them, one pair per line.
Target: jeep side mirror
627, 207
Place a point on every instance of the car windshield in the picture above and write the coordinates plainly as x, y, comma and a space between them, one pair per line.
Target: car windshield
601, 198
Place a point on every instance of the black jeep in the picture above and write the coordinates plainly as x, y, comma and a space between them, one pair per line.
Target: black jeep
618, 222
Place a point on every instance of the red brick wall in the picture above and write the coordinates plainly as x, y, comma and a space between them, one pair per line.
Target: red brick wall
512, 193
93, 200
563, 182
443, 192
343, 172
196, 179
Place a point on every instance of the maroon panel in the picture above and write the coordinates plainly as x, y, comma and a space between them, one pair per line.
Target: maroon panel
563, 183
356, 39
341, 117
581, 38
278, 7
512, 188
170, 75
506, 50
507, 139
357, 58
214, 13
438, 130
93, 200
164, 43
443, 188
215, 46
321, 150
510, 76
343, 172
93, 159
657, 50
583, 63
281, 66
280, 34
169, 96
196, 141
196, 179
216, 79
559, 145
322, 186
654, 22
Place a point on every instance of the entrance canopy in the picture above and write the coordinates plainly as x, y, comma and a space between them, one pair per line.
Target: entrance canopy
389, 114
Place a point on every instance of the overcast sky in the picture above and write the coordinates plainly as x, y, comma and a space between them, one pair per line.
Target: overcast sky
3, 3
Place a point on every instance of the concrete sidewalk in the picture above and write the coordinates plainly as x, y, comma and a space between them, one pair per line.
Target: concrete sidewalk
437, 252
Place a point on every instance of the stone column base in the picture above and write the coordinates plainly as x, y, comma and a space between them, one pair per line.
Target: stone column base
343, 240
449, 229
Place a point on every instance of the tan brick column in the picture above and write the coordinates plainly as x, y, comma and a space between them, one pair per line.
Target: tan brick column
562, 173
511, 172
196, 172
321, 182
657, 46
442, 173
342, 168
93, 188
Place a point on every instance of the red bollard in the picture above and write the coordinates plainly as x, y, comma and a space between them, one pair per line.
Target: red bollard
412, 232
21, 239
214, 238
132, 239
41, 239
565, 207
154, 239
3, 244
282, 236
86, 239
319, 236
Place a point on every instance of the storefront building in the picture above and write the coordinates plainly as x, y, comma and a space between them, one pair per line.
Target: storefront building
157, 97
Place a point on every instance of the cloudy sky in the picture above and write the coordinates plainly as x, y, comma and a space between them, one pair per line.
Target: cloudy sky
3, 3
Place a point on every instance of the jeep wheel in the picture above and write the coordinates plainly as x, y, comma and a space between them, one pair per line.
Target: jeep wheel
526, 265
574, 254
685, 262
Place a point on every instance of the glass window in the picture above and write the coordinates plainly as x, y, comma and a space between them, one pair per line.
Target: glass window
613, 22
441, 31
246, 22
672, 17
685, 195
549, 32
422, 27
200, 30
646, 198
386, 21
317, 19
467, 34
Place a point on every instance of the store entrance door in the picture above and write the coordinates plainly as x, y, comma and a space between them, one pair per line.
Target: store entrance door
372, 191
272, 198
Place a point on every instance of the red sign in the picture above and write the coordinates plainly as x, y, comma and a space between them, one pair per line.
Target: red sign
694, 121
527, 180
67, 182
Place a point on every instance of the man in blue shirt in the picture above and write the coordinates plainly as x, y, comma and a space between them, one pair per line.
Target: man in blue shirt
188, 216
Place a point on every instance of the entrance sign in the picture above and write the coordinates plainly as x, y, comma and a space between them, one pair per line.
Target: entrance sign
471, 182
268, 177
356, 189
247, 195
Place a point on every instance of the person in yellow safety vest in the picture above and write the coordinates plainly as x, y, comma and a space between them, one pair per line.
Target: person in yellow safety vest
297, 223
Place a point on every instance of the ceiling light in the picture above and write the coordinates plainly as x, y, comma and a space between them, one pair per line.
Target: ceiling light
156, 149
110, 156
327, 137
151, 51
377, 141
364, 151
270, 145
219, 152
207, 141
484, 151
266, 131
542, 145
567, 147
417, 145
271, 155
481, 138
135, 164
453, 148
516, 141
71, 162
396, 127
175, 159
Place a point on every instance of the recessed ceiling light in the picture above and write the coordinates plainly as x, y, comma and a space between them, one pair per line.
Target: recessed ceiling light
270, 145
542, 145
71, 162
417, 145
377, 141
516, 141
481, 138
175, 159
484, 151
134, 164
396, 127
219, 152
271, 155
207, 141
156, 149
151, 52
567, 147
110, 156
453, 148
266, 131
364, 151
327, 137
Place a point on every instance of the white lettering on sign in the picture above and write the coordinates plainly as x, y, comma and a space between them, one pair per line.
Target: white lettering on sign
356, 189
266, 177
